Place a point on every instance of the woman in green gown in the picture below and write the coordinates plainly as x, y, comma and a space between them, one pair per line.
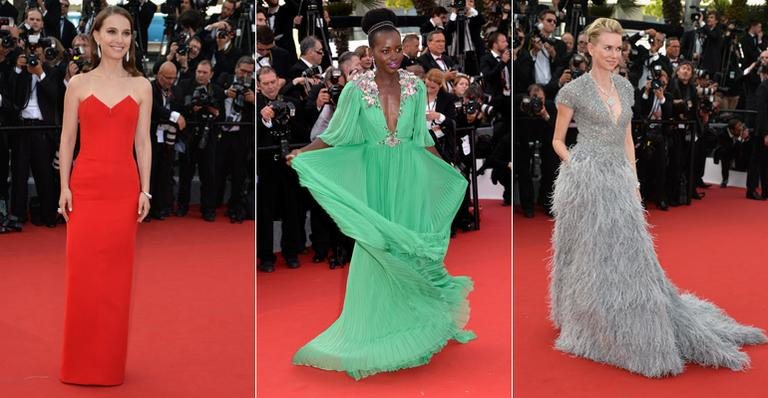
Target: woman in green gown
377, 174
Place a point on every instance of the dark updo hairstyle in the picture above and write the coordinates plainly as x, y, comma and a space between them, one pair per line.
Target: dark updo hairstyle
378, 20
129, 65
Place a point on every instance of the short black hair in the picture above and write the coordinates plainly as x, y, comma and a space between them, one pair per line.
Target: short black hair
439, 10
264, 35
376, 16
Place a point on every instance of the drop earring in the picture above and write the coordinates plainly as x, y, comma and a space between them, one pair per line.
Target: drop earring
128, 56
98, 50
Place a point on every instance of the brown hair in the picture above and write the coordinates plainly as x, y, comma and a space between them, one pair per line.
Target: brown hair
435, 76
129, 65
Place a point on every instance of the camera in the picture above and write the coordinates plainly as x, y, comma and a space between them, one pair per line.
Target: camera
49, 48
656, 82
199, 97
181, 40
459, 4
223, 34
170, 6
32, 60
5, 21
240, 85
335, 89
697, 13
707, 103
75, 55
313, 71
284, 111
532, 105
6, 40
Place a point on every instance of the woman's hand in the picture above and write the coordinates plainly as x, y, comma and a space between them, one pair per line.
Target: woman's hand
289, 157
143, 207
65, 203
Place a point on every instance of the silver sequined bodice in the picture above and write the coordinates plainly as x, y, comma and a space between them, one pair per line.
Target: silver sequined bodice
598, 134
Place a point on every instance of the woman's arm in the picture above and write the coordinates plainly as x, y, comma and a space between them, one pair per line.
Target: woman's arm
143, 145
629, 148
67, 142
564, 115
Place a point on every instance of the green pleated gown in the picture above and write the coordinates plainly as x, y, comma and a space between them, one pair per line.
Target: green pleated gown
397, 201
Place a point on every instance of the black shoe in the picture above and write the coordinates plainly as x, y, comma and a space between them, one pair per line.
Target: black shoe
157, 215
334, 263
182, 210
267, 266
698, 195
209, 216
292, 262
528, 213
702, 184
662, 205
319, 258
753, 196
724, 184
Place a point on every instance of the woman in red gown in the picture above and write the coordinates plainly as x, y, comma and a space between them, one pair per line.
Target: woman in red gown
105, 198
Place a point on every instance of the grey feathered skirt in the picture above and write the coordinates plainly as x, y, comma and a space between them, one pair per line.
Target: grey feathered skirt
610, 297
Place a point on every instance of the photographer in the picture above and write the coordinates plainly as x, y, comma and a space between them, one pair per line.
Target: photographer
280, 21
8, 52
534, 122
203, 105
752, 42
752, 79
704, 45
268, 54
545, 30
310, 21
63, 29
226, 55
758, 161
655, 104
142, 12
410, 50
234, 144
437, 21
733, 145
78, 57
35, 89
277, 185
466, 23
166, 126
685, 102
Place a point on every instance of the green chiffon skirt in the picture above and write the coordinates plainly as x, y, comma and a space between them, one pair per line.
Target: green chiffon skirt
401, 305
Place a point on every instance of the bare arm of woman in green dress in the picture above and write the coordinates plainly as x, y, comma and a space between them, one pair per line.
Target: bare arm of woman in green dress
314, 145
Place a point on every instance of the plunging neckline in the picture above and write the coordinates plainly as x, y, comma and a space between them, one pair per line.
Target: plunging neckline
381, 107
615, 120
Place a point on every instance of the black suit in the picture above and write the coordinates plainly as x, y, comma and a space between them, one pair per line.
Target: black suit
53, 21
8, 10
232, 151
728, 149
35, 148
281, 61
758, 162
428, 62
653, 168
277, 188
751, 48
146, 11
281, 23
195, 157
161, 179
319, 33
226, 60
426, 28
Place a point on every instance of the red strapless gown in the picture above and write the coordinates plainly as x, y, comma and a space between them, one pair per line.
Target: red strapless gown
100, 244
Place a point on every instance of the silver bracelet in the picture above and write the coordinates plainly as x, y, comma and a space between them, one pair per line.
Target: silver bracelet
147, 195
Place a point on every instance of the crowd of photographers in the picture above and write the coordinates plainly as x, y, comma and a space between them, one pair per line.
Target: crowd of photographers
464, 61
700, 93
202, 116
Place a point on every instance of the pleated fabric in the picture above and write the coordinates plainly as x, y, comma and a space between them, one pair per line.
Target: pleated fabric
609, 296
397, 202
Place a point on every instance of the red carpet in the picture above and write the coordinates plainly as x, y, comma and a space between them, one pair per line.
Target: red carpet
714, 248
192, 325
294, 305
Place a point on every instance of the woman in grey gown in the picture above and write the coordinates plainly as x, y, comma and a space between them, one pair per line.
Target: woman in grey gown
609, 296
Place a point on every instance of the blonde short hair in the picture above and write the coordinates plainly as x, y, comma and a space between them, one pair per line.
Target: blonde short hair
600, 26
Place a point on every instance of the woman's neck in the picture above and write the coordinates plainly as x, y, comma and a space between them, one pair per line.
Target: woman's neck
386, 77
111, 68
602, 76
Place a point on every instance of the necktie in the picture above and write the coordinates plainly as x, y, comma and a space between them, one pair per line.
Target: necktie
61, 27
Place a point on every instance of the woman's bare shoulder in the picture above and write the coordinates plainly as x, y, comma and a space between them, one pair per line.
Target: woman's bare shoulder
142, 87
